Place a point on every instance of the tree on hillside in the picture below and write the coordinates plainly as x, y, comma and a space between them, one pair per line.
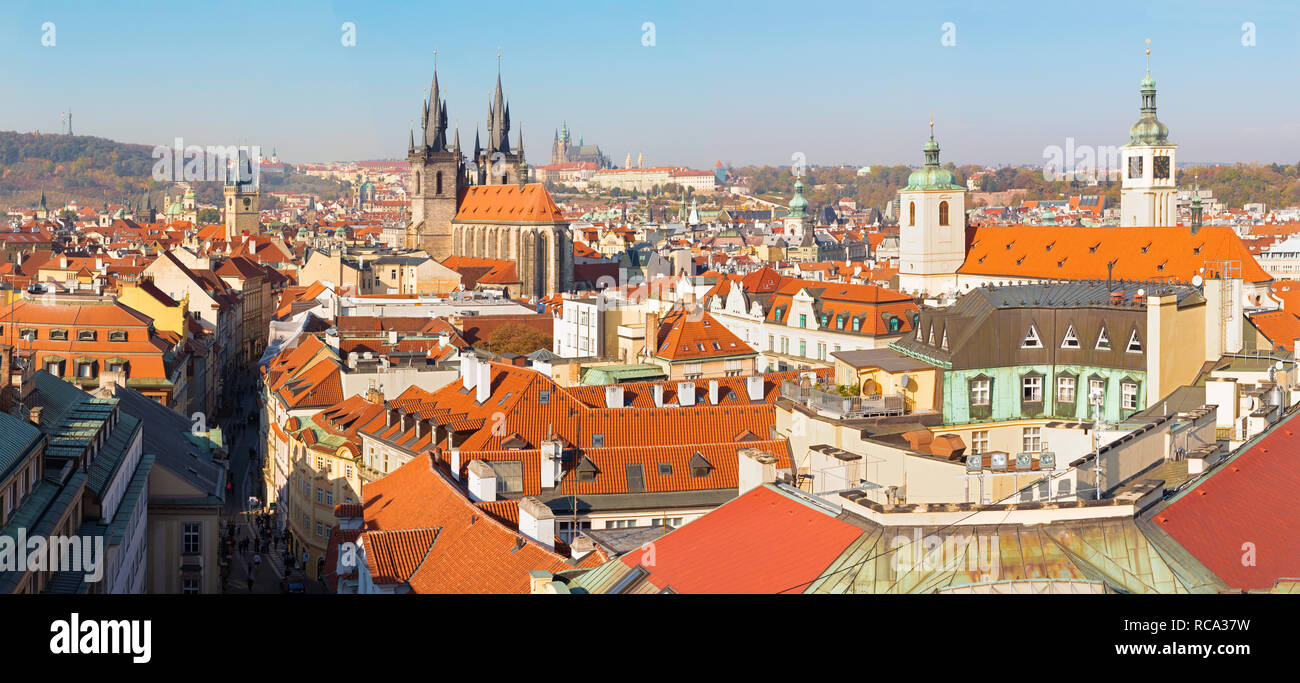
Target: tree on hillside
517, 338
209, 216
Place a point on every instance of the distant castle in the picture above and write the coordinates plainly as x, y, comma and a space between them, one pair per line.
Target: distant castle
563, 150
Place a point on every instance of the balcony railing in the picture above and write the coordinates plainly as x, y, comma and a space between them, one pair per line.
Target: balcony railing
835, 405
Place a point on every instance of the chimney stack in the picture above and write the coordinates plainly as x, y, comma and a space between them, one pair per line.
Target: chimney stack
552, 463
754, 388
657, 391
482, 482
686, 393
613, 396
483, 385
453, 457
537, 521
468, 371
756, 468
713, 392
34, 415
651, 333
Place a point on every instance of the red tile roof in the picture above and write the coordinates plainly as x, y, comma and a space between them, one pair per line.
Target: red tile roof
1079, 253
472, 551
697, 336
1249, 499
762, 542
508, 204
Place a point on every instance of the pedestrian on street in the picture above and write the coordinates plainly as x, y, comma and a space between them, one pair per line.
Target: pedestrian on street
257, 561
250, 584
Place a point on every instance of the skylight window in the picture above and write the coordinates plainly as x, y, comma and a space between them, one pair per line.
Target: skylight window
1103, 341
1031, 339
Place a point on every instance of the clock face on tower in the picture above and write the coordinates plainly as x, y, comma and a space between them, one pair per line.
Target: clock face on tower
1160, 167
1135, 167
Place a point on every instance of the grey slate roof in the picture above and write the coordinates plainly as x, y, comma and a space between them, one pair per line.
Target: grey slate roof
17, 438
168, 436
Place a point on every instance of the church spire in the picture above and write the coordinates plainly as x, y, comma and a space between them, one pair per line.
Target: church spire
931, 148
435, 116
1148, 130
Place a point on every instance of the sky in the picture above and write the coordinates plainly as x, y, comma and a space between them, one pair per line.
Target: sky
745, 82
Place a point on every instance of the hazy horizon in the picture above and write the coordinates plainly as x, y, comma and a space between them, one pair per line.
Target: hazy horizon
745, 83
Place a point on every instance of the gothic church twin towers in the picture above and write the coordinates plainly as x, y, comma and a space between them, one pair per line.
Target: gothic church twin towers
482, 207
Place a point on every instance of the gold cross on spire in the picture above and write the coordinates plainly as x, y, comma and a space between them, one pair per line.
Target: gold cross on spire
435, 59
1148, 55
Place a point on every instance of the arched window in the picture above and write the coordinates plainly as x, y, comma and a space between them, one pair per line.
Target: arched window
438, 183
943, 213
911, 213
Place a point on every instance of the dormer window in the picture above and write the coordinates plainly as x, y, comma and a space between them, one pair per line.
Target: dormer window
86, 335
1031, 339
944, 344
1071, 340
1103, 341
931, 335
58, 335
117, 336
1134, 344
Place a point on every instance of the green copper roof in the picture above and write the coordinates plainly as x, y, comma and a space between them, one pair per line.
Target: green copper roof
1148, 130
932, 176
798, 205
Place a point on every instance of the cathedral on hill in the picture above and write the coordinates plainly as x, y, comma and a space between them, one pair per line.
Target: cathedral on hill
563, 151
484, 206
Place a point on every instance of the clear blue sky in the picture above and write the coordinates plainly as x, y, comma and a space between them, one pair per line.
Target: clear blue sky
743, 81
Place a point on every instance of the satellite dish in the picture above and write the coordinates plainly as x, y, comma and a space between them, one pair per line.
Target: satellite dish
1197, 280
1277, 365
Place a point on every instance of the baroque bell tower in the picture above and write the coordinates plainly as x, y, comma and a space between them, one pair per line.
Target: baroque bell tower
1148, 192
437, 178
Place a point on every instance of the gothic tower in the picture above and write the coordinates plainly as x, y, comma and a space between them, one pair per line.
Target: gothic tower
497, 164
242, 196
437, 178
1148, 192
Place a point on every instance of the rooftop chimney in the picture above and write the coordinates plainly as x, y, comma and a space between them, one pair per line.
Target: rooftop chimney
613, 396
392, 336
713, 392
453, 457
754, 387
352, 360
537, 521
483, 385
482, 481
657, 391
686, 393
756, 468
552, 463
34, 415
651, 333
468, 374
